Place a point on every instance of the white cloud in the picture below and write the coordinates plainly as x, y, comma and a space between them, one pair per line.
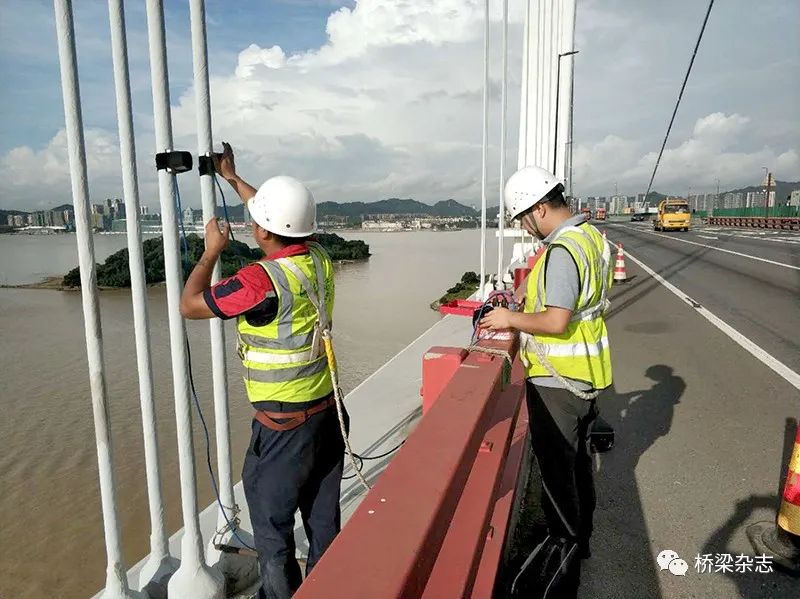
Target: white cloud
391, 106
707, 155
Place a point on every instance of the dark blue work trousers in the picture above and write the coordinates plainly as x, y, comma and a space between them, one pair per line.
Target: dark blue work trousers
285, 471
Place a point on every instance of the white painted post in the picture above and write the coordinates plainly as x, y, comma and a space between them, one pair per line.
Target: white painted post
193, 578
235, 567
501, 213
160, 565
116, 585
485, 148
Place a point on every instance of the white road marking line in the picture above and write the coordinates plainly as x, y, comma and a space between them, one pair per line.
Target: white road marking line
705, 245
757, 351
707, 236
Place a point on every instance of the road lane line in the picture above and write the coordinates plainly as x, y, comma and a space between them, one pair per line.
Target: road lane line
757, 351
707, 236
705, 245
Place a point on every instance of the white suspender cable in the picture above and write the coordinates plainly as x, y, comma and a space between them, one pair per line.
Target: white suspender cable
159, 561
524, 112
197, 13
485, 148
501, 213
193, 578
116, 584
539, 133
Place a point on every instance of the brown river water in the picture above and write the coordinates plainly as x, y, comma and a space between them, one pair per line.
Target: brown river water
51, 533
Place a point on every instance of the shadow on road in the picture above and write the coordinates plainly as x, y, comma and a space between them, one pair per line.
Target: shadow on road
751, 584
623, 563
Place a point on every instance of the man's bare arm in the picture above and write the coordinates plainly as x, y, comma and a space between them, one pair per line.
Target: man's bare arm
226, 167
193, 304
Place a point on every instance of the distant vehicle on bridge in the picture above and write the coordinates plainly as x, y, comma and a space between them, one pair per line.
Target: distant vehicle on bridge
638, 216
673, 215
600, 214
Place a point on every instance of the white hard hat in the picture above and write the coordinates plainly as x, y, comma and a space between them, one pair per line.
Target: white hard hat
527, 187
284, 206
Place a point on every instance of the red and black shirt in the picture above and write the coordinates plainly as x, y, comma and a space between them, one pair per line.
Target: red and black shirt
250, 291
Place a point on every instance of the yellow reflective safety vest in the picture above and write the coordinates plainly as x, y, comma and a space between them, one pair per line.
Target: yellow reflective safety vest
285, 360
582, 351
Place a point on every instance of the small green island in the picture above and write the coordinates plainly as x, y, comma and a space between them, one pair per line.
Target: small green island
461, 290
114, 272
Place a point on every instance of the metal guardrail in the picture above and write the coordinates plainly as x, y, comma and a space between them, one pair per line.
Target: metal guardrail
778, 222
436, 521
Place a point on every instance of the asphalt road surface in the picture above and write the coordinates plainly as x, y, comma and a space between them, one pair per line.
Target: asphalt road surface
706, 394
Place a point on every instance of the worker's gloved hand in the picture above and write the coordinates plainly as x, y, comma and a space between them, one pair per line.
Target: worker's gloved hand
497, 319
223, 163
216, 239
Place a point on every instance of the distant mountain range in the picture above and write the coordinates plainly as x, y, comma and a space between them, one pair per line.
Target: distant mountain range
393, 206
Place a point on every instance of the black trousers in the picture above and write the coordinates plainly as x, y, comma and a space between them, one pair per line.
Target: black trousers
285, 471
559, 424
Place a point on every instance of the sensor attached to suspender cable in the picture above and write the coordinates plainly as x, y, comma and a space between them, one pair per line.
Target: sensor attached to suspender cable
174, 161
205, 163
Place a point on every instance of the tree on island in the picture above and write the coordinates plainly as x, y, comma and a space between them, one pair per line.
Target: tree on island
114, 272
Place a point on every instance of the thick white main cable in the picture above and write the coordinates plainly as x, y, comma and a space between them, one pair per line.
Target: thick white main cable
484, 148
501, 213
159, 558
116, 584
202, 93
193, 578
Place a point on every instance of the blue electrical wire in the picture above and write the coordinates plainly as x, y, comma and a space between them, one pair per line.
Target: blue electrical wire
224, 203
194, 392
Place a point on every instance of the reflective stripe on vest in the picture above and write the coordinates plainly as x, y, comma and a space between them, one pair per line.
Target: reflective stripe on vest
582, 352
283, 360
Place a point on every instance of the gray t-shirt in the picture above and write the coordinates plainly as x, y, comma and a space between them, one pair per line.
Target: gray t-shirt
562, 288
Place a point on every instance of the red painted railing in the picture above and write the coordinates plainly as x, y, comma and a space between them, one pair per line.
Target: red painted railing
436, 522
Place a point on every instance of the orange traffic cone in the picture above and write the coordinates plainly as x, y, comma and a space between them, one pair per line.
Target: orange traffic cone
783, 541
619, 266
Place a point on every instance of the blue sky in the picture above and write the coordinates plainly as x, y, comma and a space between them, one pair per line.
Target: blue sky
368, 99
31, 94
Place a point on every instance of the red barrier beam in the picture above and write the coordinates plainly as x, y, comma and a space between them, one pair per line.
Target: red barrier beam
456, 566
391, 543
500, 525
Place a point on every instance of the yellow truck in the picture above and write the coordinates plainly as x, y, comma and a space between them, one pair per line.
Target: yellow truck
673, 215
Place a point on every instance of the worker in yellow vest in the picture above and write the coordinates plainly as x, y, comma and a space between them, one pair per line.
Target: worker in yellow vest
564, 347
283, 303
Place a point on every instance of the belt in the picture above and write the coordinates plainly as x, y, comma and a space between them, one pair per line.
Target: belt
291, 420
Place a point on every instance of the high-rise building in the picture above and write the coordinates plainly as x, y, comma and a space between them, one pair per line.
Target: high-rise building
144, 210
